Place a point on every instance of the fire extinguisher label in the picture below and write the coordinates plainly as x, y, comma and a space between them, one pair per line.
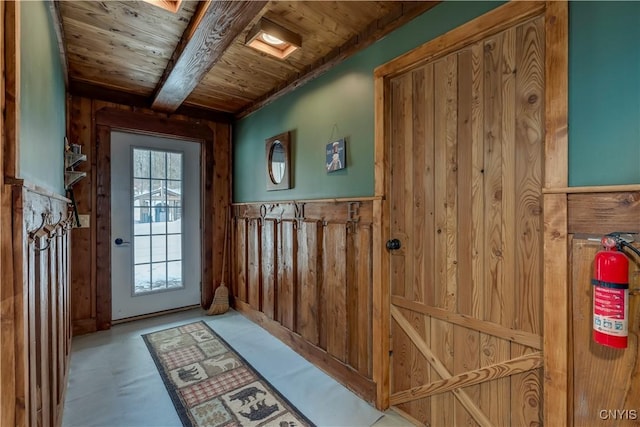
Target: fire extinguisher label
610, 308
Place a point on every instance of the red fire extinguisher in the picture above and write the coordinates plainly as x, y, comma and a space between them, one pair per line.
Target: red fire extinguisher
611, 292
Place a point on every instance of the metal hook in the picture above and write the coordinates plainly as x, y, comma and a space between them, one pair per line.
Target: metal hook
45, 246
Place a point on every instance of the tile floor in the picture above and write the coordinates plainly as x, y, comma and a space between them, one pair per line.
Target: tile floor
113, 381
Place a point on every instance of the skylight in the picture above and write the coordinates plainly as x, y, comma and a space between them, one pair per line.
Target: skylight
170, 5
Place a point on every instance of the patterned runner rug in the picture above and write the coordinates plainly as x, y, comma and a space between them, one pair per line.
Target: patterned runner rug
211, 385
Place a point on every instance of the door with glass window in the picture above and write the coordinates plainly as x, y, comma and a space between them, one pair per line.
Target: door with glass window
155, 224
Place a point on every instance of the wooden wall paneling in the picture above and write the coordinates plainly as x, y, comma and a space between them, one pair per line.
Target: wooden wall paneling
555, 339
211, 258
358, 283
22, 301
471, 199
603, 213
60, 321
82, 243
498, 214
381, 318
103, 228
347, 376
401, 361
380, 362
36, 288
309, 280
445, 156
43, 333
240, 282
51, 319
526, 408
423, 208
287, 268
12, 54
9, 323
268, 259
555, 272
351, 297
6, 312
217, 200
400, 348
34, 355
254, 276
322, 257
37, 384
334, 290
364, 257
401, 101
413, 180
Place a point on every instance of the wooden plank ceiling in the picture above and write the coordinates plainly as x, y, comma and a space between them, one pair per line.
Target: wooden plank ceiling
196, 59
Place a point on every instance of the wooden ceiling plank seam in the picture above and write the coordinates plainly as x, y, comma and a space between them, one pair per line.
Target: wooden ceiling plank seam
216, 31
226, 87
146, 23
95, 40
114, 62
343, 17
375, 31
260, 79
226, 91
297, 17
94, 32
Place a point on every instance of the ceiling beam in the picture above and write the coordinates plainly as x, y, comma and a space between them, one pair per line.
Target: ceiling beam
375, 31
88, 90
214, 26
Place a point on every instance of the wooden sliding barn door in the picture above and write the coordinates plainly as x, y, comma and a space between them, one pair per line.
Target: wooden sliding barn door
465, 168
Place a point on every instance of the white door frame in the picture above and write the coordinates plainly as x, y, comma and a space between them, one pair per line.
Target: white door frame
125, 304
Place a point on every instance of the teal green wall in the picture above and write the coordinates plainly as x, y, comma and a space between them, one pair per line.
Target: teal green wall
42, 100
604, 93
604, 106
335, 105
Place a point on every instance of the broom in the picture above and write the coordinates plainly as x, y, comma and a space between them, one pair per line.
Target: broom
220, 303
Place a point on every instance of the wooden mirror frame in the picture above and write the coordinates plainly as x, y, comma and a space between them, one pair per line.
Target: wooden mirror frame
285, 140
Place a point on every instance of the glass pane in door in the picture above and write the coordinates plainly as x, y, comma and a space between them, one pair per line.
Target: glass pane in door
157, 220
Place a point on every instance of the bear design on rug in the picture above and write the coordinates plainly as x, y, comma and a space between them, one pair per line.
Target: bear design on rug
246, 394
260, 411
188, 375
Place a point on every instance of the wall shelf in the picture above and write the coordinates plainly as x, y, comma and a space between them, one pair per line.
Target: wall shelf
71, 177
71, 160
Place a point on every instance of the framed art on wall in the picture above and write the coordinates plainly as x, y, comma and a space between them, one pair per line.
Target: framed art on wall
335, 156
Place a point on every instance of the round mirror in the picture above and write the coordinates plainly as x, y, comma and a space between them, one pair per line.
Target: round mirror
276, 162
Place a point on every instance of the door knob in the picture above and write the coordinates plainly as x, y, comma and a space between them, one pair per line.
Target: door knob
393, 244
119, 242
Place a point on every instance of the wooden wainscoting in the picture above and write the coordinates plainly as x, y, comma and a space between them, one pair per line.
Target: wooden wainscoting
601, 378
35, 318
303, 271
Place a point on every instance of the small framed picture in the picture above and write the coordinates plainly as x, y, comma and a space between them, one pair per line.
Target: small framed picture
335, 154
